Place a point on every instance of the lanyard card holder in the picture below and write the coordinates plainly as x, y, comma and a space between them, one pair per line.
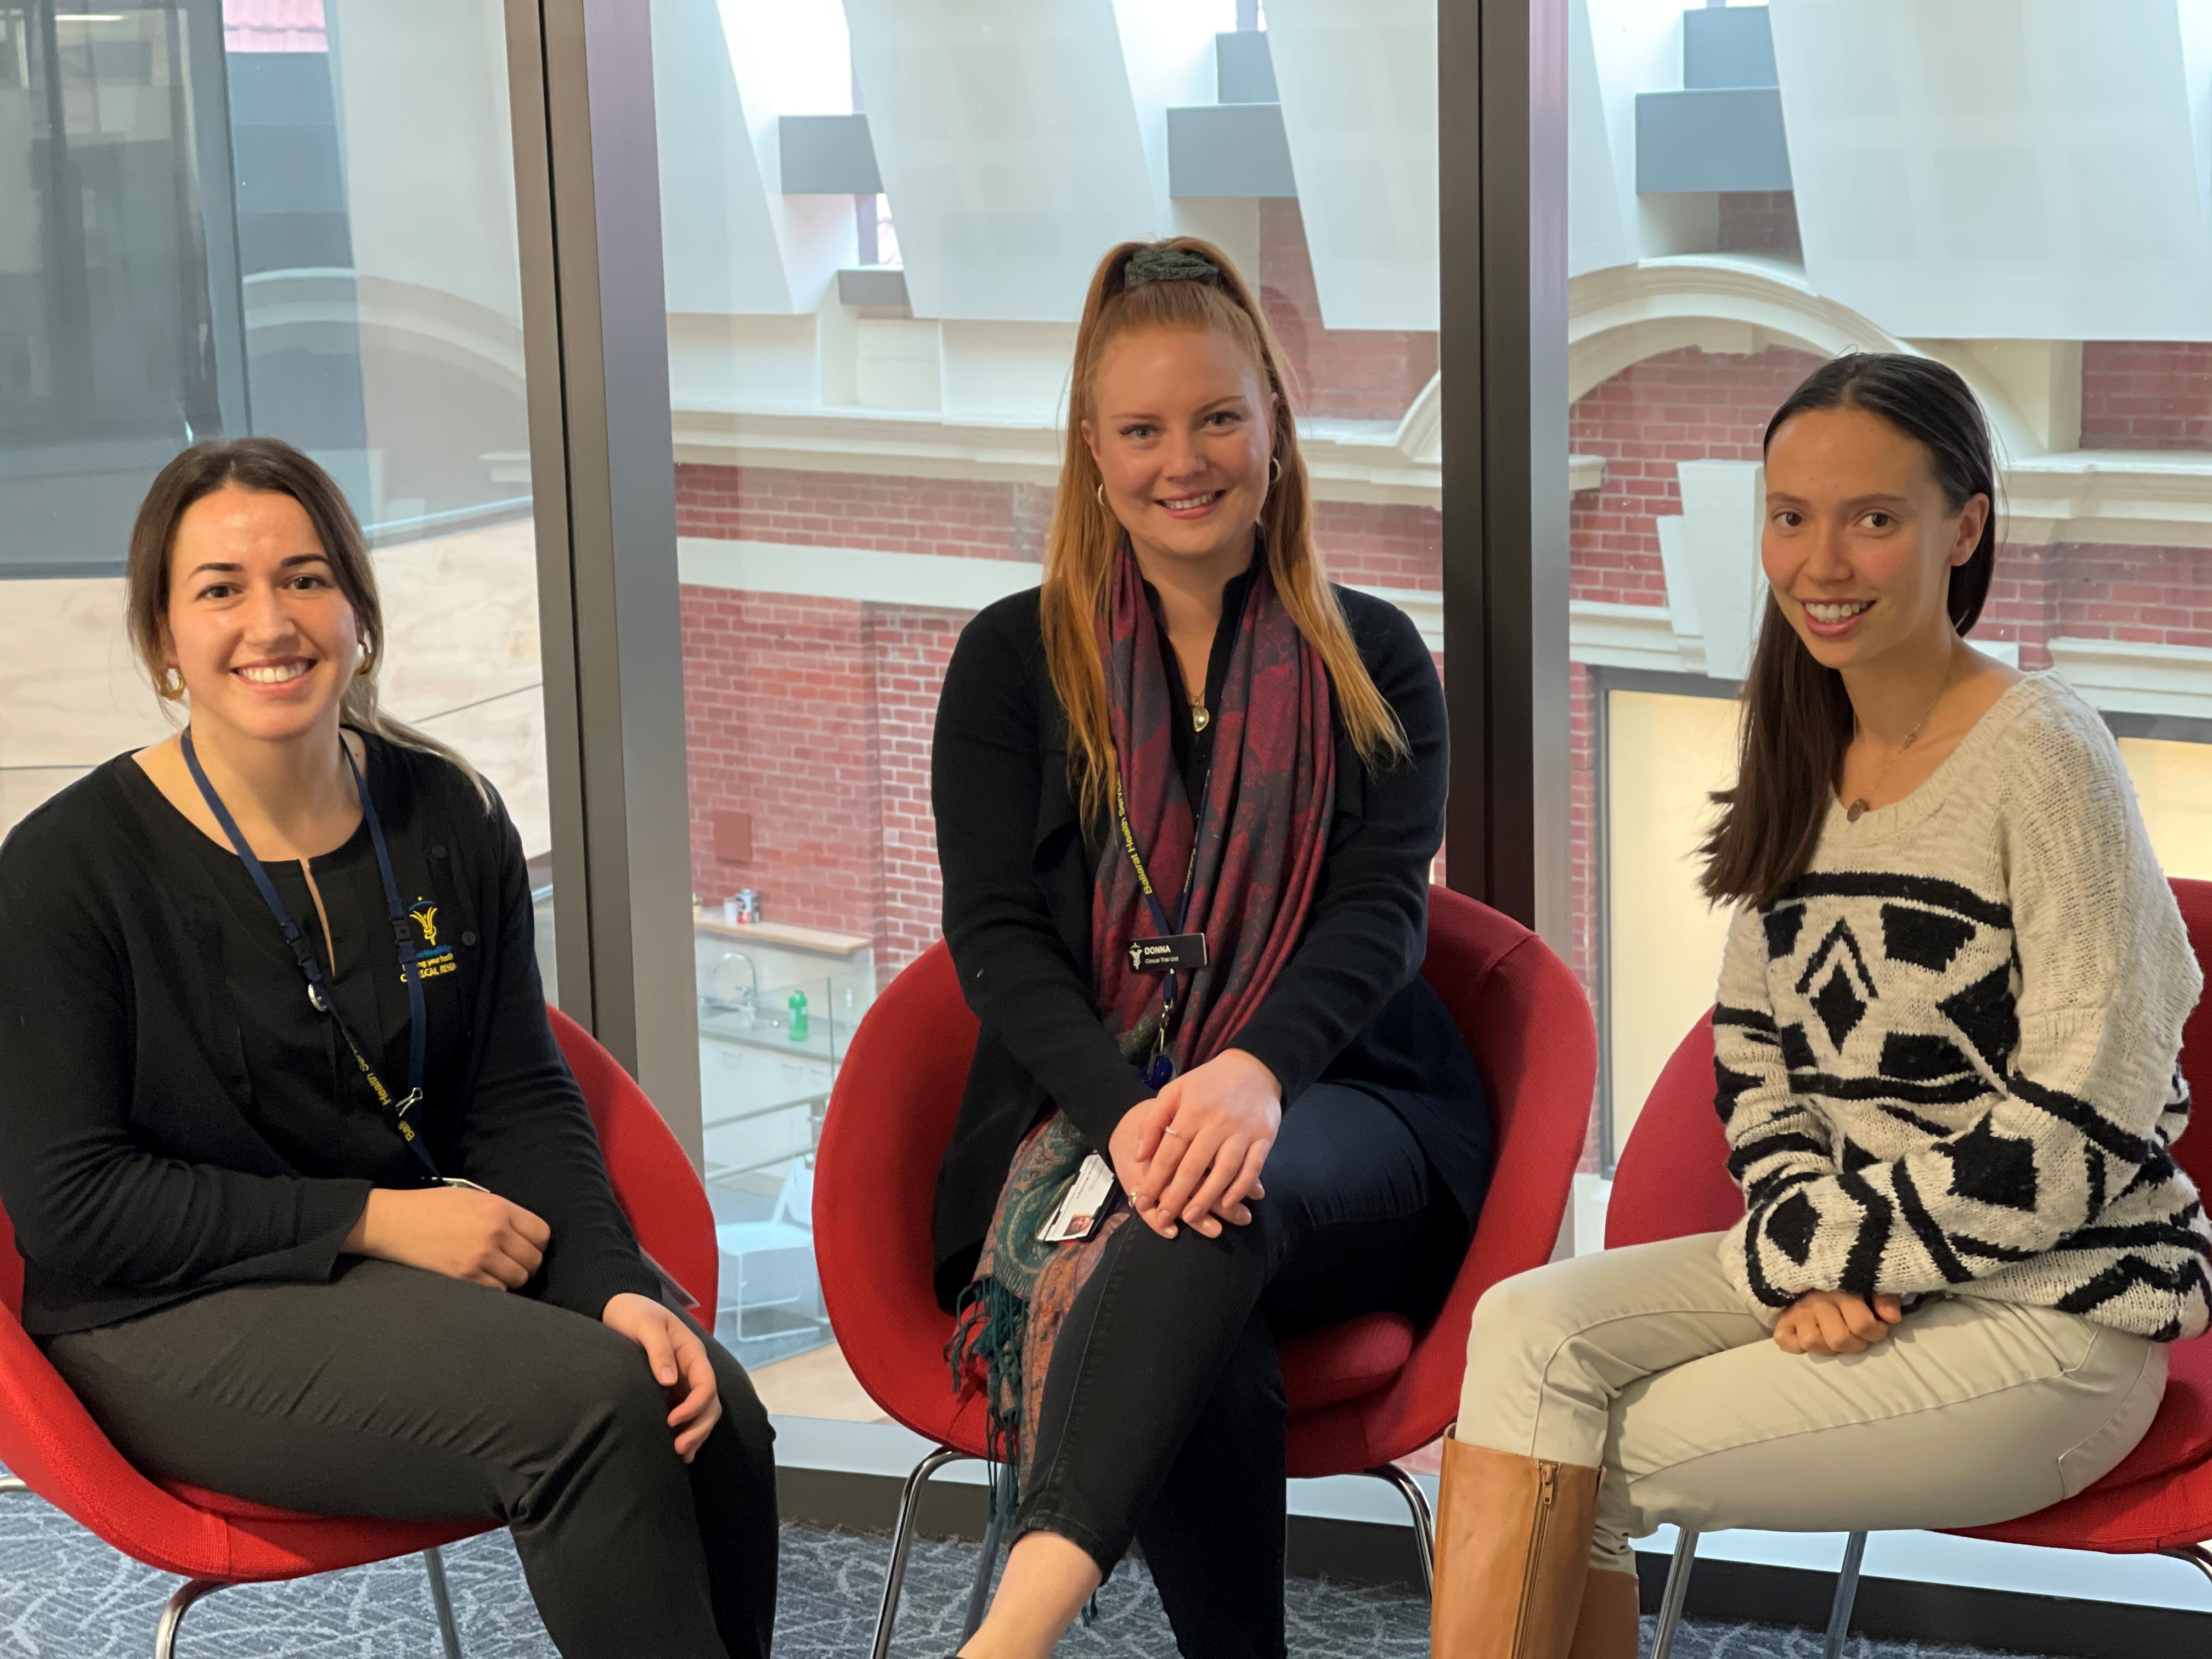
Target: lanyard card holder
1082, 1206
1170, 951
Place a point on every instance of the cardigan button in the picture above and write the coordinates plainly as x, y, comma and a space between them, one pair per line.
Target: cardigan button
468, 939
438, 851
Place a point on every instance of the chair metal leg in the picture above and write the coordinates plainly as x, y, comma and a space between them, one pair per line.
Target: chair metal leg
979, 1593
441, 1602
1678, 1588
1425, 1519
1847, 1592
2197, 1555
903, 1544
172, 1616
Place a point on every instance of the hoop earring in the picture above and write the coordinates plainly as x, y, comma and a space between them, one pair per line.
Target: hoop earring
1275, 469
366, 665
1099, 491
170, 688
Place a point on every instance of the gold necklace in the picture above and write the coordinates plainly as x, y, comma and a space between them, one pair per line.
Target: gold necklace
1200, 720
1859, 808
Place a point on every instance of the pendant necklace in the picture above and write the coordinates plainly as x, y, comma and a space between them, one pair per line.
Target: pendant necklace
1859, 808
1200, 720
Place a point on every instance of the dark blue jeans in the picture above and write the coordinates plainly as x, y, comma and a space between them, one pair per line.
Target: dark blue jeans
1163, 1415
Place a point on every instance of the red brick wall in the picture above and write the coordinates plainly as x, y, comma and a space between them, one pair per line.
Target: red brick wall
970, 518
1355, 374
1360, 542
2141, 394
778, 717
814, 716
1681, 406
909, 649
2152, 595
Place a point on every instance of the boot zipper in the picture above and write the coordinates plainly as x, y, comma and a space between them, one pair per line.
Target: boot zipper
1548, 1477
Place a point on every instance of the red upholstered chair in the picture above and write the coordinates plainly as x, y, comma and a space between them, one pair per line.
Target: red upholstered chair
1362, 1394
57, 1452
1672, 1181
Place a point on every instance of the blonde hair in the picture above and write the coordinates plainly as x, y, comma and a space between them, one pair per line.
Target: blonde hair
271, 464
1078, 559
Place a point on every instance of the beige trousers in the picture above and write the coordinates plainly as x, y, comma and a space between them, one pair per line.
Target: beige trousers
1644, 1361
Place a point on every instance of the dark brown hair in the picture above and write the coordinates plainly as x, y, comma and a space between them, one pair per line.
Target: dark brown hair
1078, 559
272, 464
1797, 720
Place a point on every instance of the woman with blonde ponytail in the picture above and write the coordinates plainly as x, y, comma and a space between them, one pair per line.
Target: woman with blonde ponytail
312, 1212
1187, 796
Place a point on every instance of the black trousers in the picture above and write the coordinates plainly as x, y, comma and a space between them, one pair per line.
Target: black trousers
399, 1394
1163, 1415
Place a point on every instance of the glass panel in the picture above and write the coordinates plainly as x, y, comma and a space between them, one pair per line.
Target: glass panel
1712, 267
1665, 753
880, 218
290, 218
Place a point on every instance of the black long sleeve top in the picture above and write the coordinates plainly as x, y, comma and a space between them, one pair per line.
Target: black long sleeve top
1018, 863
175, 1117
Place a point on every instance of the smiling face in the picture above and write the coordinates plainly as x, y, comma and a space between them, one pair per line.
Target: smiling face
1183, 428
255, 623
1859, 542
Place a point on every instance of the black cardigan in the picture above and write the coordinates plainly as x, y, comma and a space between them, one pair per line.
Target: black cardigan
1017, 869
141, 1164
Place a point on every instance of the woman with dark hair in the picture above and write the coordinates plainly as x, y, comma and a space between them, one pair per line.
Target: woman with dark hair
311, 1209
1187, 797
1947, 1039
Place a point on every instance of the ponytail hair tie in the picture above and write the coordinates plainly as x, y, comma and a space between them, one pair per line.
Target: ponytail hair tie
1169, 264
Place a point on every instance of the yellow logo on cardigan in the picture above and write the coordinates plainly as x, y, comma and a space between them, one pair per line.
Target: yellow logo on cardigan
432, 959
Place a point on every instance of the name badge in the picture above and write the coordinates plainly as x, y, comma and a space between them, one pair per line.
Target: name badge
1081, 1208
1179, 952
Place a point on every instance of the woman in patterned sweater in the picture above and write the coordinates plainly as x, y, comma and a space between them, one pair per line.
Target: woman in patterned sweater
1949, 1021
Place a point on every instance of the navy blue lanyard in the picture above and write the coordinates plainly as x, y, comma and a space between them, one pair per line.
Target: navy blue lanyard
1161, 921
319, 990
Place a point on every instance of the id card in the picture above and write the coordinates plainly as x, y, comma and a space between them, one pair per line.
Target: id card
1083, 1207
1185, 951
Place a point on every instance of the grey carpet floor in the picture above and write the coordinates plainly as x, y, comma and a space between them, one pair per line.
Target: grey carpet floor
63, 1593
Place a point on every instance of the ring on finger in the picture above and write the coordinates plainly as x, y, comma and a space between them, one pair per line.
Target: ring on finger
1170, 1129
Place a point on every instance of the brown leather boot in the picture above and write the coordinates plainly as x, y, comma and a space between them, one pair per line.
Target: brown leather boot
1607, 1626
1513, 1542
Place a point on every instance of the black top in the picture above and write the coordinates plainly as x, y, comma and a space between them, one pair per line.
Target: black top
180, 1119
1350, 1005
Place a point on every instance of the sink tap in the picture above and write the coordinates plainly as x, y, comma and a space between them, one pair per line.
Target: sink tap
747, 1006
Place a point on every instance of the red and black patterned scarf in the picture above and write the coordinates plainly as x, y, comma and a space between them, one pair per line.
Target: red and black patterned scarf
1262, 835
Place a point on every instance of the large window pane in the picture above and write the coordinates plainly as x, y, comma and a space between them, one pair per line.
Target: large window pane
1887, 184
880, 219
291, 218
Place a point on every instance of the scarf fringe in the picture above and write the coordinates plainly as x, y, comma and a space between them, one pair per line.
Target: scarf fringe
989, 1324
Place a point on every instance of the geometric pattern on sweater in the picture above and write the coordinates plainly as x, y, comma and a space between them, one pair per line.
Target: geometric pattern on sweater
1897, 1125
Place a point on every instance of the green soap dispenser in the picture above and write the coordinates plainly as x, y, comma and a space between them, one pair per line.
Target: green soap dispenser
797, 1030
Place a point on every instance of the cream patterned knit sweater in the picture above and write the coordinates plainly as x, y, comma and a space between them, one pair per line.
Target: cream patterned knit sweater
1947, 1057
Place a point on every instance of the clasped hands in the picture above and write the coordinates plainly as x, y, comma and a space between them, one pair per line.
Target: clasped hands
1836, 1322
462, 1233
1191, 1156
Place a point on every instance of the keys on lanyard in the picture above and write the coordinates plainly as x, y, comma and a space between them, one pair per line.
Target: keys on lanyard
319, 991
1172, 952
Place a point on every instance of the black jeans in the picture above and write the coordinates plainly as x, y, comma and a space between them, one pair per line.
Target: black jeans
1163, 1415
402, 1394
